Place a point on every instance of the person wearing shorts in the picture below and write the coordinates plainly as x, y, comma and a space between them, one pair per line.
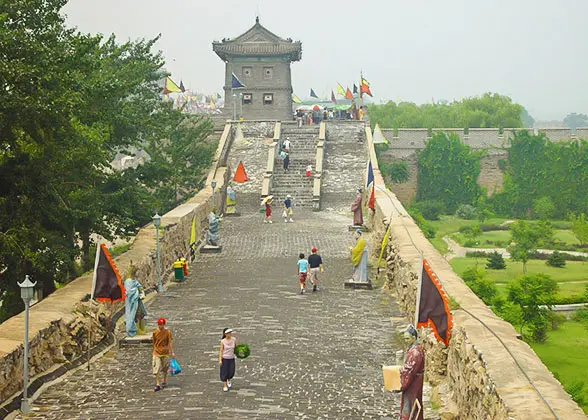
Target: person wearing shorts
162, 350
315, 263
302, 272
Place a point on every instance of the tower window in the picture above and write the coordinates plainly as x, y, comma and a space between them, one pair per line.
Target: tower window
247, 98
268, 98
268, 72
247, 72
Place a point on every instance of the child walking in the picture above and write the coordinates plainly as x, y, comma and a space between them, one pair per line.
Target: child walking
308, 170
302, 272
226, 358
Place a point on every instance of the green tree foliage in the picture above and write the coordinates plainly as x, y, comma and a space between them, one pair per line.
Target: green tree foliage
448, 171
397, 172
482, 286
488, 110
555, 259
526, 238
533, 294
427, 229
575, 120
543, 208
429, 209
495, 261
466, 211
580, 227
68, 103
538, 170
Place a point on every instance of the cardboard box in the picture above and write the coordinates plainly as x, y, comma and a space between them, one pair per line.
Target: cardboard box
391, 377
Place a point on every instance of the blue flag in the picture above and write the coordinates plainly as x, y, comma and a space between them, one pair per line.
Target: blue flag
369, 175
312, 94
236, 83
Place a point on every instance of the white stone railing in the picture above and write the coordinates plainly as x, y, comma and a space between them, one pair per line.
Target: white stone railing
319, 162
266, 184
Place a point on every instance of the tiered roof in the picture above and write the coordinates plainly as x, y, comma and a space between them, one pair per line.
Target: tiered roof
258, 41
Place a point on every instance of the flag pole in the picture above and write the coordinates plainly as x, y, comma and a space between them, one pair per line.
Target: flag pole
97, 258
419, 290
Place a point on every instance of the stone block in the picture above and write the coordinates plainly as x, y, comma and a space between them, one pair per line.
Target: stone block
210, 249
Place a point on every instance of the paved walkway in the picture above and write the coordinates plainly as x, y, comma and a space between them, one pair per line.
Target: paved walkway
313, 356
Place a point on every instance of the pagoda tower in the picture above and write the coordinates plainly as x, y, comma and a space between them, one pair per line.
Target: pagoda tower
261, 61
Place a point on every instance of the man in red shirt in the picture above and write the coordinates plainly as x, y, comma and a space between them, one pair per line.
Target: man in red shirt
162, 349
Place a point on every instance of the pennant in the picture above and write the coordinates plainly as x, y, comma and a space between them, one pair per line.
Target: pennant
107, 285
240, 175
182, 88
296, 99
333, 99
355, 89
340, 90
369, 174
366, 89
372, 200
170, 86
235, 82
211, 103
312, 94
193, 239
218, 96
378, 137
364, 82
433, 306
348, 95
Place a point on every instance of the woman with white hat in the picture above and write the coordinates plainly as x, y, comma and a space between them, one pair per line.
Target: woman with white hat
226, 358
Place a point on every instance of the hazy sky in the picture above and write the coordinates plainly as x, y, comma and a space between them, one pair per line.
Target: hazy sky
535, 51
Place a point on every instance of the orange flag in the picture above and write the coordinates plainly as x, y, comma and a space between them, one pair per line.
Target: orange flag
240, 175
349, 95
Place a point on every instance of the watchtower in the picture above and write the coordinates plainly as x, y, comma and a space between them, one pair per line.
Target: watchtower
261, 61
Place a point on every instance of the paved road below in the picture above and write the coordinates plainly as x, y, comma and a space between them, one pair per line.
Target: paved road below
317, 355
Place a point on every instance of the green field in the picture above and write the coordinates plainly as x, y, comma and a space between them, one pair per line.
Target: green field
501, 238
571, 340
572, 272
447, 225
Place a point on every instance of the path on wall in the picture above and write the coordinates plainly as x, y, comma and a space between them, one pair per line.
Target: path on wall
317, 355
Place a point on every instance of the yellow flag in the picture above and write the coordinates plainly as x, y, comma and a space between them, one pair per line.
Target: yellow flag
211, 104
193, 237
340, 89
170, 86
296, 99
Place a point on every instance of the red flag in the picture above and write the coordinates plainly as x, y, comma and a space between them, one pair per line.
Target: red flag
333, 99
433, 306
348, 95
366, 89
372, 200
240, 175
107, 285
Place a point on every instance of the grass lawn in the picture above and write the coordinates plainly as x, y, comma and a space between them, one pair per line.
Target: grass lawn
501, 238
566, 354
447, 225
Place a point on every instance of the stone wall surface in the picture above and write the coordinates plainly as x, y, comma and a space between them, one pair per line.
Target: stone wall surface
557, 134
65, 324
582, 133
345, 161
483, 367
483, 137
252, 150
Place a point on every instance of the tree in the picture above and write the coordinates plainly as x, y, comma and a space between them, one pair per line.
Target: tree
556, 259
448, 171
495, 261
580, 227
482, 286
543, 208
526, 118
525, 239
533, 294
574, 120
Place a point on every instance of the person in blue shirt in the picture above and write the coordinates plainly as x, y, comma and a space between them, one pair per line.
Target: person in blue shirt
302, 272
287, 213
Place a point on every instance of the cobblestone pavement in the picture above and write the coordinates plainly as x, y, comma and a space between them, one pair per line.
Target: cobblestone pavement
317, 355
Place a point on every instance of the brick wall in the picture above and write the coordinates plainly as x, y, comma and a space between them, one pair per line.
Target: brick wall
483, 137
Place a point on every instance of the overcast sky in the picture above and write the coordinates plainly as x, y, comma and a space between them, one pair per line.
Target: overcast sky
535, 51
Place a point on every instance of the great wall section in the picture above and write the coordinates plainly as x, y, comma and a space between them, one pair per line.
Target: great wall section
485, 373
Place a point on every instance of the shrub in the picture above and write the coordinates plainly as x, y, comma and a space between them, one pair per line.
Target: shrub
555, 320
539, 329
576, 390
543, 208
430, 209
495, 261
398, 172
467, 212
556, 260
428, 230
487, 228
477, 254
564, 255
482, 286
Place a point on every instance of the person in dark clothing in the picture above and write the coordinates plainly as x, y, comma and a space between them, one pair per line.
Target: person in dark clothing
315, 262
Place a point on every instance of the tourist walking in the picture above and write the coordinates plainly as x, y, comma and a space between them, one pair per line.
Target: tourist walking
267, 203
302, 272
315, 263
286, 145
286, 159
162, 350
226, 358
287, 213
308, 170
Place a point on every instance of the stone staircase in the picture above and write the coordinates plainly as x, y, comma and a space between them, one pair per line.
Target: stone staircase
294, 182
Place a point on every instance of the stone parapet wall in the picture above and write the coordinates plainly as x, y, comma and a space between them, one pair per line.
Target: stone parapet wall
482, 370
582, 133
65, 324
483, 137
557, 133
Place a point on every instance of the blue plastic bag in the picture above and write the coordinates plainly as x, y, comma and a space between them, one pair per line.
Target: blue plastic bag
174, 367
